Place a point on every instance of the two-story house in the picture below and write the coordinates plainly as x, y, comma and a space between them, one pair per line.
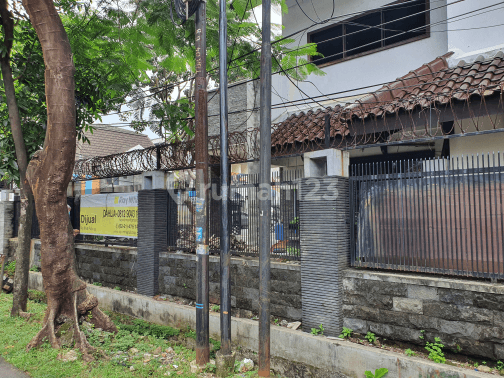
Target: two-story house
403, 79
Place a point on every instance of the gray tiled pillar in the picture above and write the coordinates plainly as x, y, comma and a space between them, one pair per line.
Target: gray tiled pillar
325, 251
6, 218
152, 211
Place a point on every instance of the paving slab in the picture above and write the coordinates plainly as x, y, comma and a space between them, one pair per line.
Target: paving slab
9, 371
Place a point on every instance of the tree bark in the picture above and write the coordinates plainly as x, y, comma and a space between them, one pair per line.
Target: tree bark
26, 212
49, 174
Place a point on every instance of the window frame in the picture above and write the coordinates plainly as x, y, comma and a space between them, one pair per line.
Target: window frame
345, 58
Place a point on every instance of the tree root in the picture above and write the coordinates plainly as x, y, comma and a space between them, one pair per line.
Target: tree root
66, 324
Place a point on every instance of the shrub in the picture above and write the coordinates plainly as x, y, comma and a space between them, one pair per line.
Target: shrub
11, 269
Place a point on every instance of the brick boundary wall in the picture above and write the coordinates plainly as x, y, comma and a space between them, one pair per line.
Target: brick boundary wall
397, 306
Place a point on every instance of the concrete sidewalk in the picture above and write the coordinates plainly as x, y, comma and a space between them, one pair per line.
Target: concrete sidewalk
9, 371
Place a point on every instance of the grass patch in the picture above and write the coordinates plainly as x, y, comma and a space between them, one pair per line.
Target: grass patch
140, 349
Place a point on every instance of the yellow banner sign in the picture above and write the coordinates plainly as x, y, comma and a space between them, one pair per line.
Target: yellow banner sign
114, 214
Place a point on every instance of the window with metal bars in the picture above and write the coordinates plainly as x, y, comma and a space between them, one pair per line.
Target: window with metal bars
374, 31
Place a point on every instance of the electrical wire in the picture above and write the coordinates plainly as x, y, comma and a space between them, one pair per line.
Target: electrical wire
394, 36
293, 102
284, 70
169, 86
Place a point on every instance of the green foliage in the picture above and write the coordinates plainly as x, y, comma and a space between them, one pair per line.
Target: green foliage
346, 333
292, 251
124, 340
143, 328
97, 284
409, 352
422, 334
34, 269
190, 333
216, 308
117, 288
169, 111
16, 333
10, 269
499, 365
381, 372
370, 336
37, 296
435, 350
318, 331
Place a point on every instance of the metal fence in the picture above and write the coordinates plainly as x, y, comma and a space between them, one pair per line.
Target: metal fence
244, 216
442, 215
35, 230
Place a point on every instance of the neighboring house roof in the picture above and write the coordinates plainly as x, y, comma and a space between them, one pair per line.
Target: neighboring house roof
433, 83
108, 140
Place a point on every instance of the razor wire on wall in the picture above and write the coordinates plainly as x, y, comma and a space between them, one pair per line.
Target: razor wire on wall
424, 118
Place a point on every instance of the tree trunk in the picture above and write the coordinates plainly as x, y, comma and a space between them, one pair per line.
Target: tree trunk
49, 174
25, 220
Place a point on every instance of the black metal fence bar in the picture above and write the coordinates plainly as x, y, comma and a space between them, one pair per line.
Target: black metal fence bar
244, 216
35, 230
440, 215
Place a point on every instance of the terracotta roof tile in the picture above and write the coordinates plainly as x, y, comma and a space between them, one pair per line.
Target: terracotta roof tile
108, 140
434, 82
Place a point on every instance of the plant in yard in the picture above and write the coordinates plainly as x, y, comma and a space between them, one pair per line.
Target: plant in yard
370, 336
34, 269
381, 372
216, 308
422, 334
318, 331
499, 365
11, 269
476, 364
346, 333
97, 284
117, 288
37, 296
435, 350
408, 352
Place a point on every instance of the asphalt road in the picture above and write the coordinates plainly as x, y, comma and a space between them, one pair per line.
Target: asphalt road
9, 371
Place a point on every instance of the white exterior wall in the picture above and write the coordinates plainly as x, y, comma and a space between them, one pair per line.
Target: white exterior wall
480, 144
465, 41
373, 69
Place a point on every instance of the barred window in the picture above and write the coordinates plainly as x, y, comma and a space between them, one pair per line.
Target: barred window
372, 32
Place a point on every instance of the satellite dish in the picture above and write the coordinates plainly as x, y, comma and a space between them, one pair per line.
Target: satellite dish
186, 8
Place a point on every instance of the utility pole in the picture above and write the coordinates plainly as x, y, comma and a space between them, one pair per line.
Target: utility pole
225, 258
265, 194
201, 139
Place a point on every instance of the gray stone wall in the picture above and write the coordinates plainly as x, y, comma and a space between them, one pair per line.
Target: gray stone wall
117, 266
110, 266
467, 315
177, 277
240, 97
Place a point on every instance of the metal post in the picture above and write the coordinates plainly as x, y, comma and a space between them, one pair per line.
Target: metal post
265, 194
225, 260
201, 139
